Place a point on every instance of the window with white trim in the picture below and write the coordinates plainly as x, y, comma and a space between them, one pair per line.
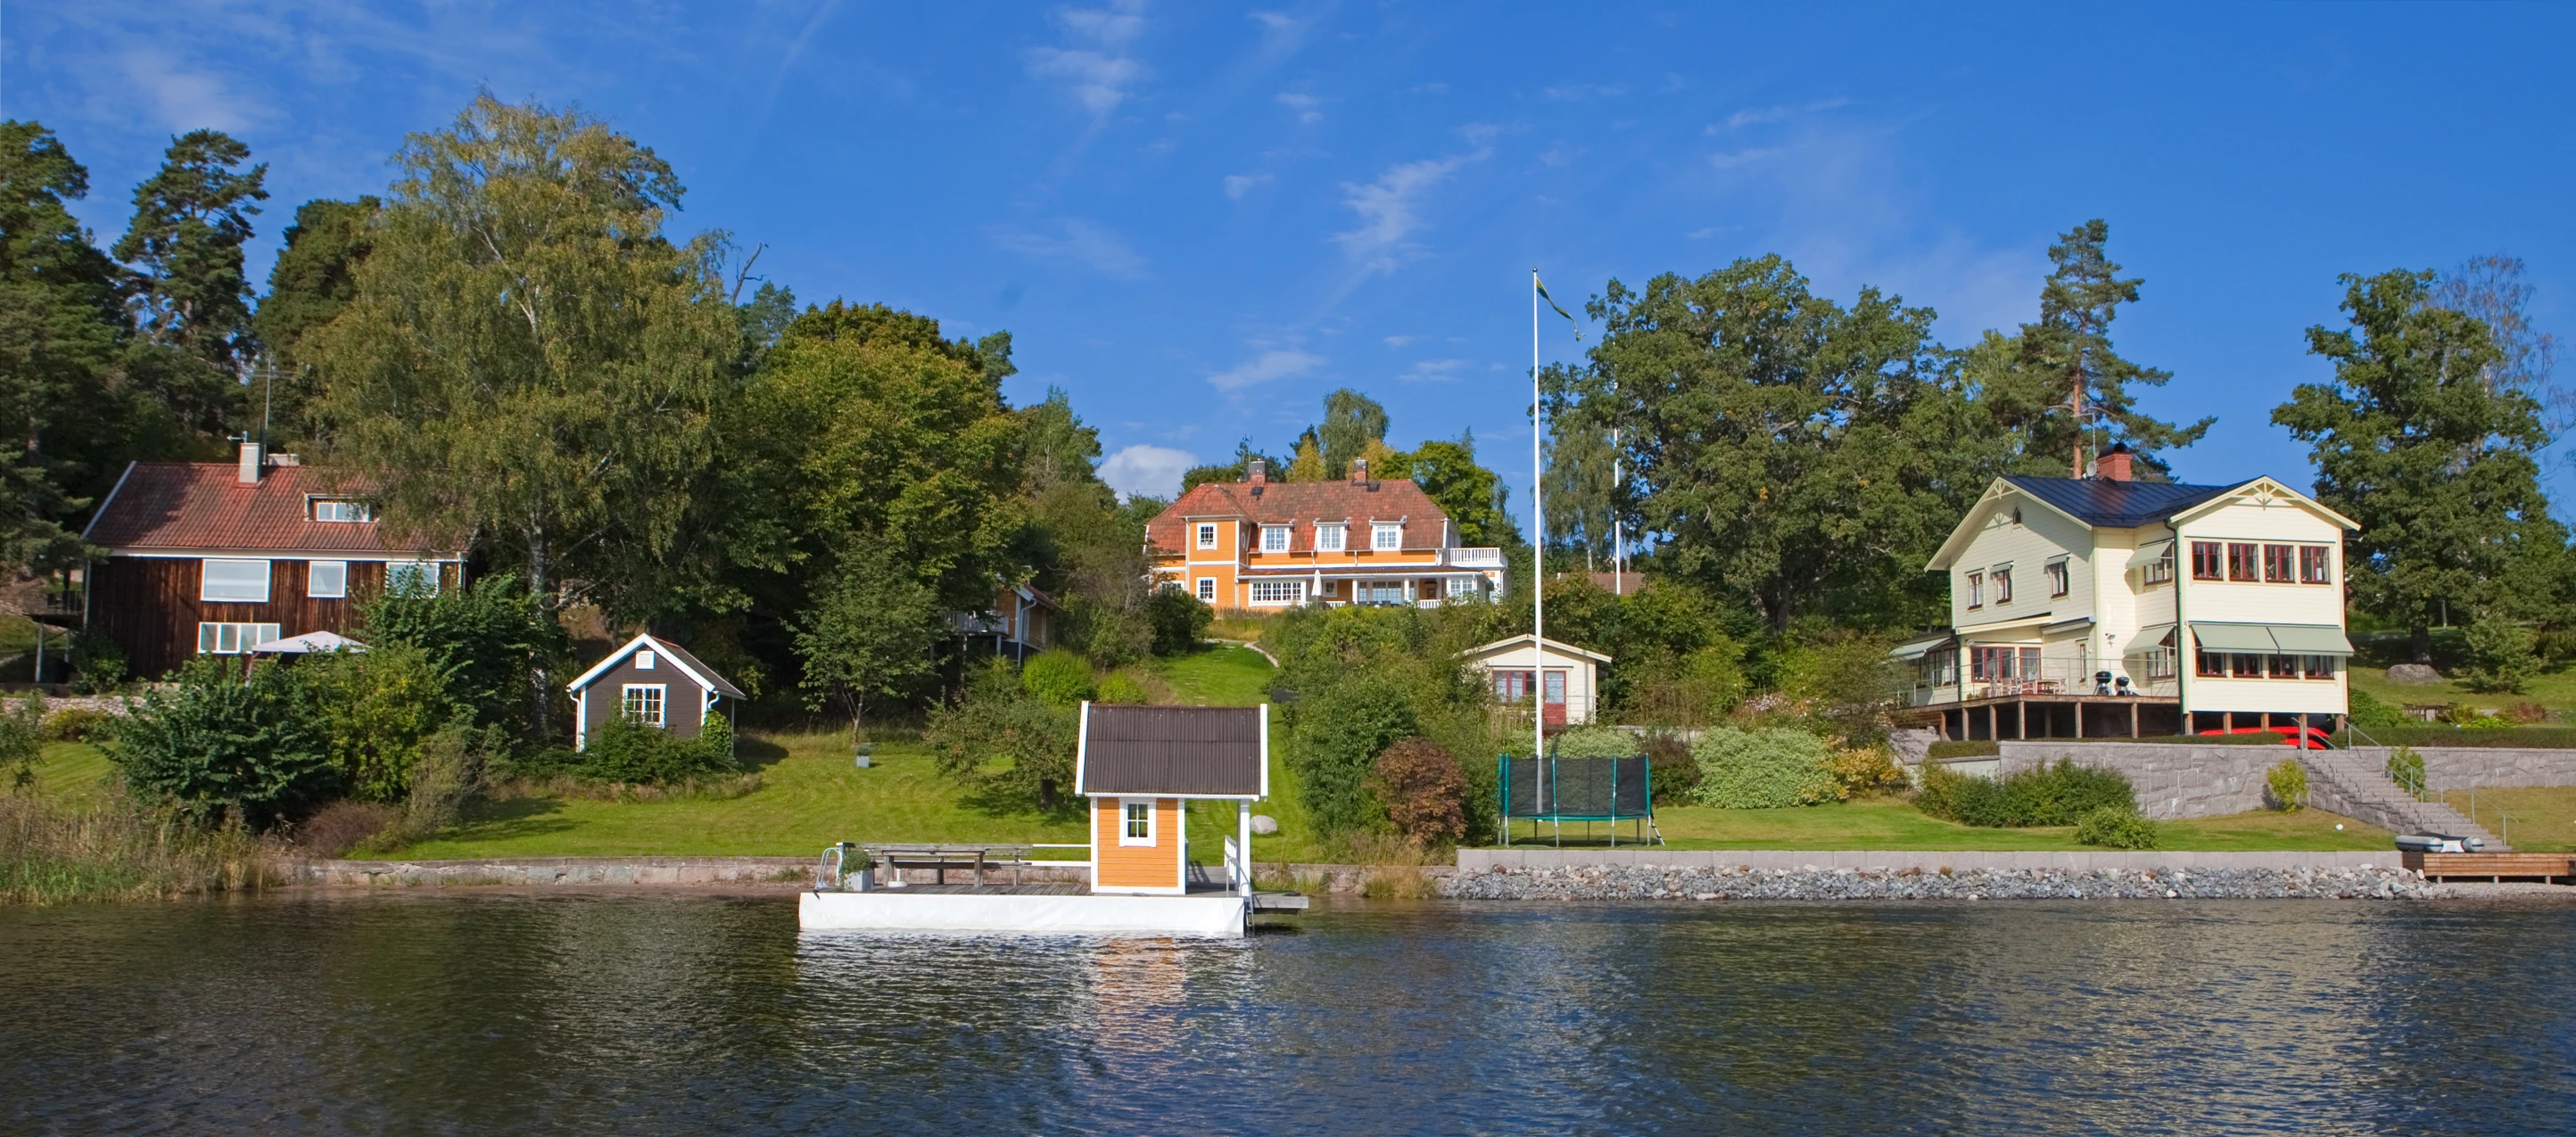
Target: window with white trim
233, 639
1386, 536
1207, 589
646, 661
1135, 821
1274, 538
1207, 536
1328, 538
413, 577
642, 702
1278, 592
341, 509
328, 580
235, 581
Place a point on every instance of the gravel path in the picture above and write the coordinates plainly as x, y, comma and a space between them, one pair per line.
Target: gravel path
1659, 882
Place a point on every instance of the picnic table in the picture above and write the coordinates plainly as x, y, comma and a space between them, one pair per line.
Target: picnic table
941, 858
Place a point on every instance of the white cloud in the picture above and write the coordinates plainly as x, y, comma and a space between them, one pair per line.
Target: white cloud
1277, 363
1577, 92
1560, 154
1305, 106
1737, 158
1074, 240
1149, 471
1237, 185
187, 99
1400, 341
1390, 208
1701, 234
1433, 371
1756, 116
1102, 74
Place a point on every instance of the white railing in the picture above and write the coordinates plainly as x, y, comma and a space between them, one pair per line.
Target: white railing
2054, 677
1475, 558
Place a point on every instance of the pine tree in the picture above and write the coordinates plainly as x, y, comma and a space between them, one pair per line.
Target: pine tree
191, 219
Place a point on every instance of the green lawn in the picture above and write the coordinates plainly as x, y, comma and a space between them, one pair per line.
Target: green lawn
1218, 675
2544, 820
74, 772
1894, 824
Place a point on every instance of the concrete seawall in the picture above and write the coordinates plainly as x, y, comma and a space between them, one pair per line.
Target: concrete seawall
1901, 860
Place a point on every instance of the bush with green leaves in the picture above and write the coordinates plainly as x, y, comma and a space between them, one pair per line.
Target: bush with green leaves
2286, 784
2406, 768
1003, 741
98, 664
22, 741
1122, 687
1424, 792
625, 751
1596, 742
1671, 770
1058, 677
1178, 619
1769, 768
1333, 749
375, 708
2113, 827
486, 642
2042, 795
2501, 656
220, 748
2369, 713
78, 724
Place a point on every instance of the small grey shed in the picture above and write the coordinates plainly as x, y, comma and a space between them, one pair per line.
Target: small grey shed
654, 682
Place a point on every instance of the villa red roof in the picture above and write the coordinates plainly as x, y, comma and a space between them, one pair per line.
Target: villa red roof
189, 506
1301, 504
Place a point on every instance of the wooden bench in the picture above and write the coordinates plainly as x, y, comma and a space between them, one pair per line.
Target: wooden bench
941, 858
2493, 866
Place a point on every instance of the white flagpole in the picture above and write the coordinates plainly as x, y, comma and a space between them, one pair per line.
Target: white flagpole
1538, 554
1618, 542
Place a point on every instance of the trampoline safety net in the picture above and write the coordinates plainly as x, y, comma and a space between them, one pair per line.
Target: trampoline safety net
1577, 789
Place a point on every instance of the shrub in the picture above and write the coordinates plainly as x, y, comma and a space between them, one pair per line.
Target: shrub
1865, 771
217, 746
22, 741
484, 642
1673, 772
78, 724
455, 762
1179, 620
341, 826
2115, 828
2500, 655
2524, 712
998, 719
1122, 687
1334, 745
1685, 691
2406, 768
624, 750
1597, 742
2042, 795
1058, 678
374, 709
98, 665
2369, 713
1762, 769
1424, 792
2287, 783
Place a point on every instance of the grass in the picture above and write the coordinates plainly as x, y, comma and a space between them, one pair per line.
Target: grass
1888, 823
1217, 675
77, 838
2544, 820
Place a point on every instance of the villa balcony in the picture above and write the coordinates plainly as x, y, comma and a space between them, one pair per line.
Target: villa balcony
1478, 557
2052, 677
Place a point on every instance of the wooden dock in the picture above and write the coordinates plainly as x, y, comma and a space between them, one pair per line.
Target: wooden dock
2555, 868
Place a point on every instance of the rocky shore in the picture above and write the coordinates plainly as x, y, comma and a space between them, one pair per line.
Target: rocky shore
1696, 883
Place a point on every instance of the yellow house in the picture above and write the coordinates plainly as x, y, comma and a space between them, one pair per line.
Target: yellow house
1257, 543
2086, 607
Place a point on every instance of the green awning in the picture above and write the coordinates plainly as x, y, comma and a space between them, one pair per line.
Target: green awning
2272, 639
1916, 649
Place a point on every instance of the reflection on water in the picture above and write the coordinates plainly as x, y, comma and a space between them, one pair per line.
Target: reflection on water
504, 1014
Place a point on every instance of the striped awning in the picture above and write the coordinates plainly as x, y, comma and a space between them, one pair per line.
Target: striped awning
2272, 639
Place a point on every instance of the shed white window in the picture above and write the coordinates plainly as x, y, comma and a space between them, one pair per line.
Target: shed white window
1274, 538
1207, 536
1386, 536
1328, 538
642, 702
644, 661
1135, 821
328, 580
419, 577
241, 582
1207, 589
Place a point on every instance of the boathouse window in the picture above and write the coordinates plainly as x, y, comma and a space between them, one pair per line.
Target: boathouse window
2316, 564
328, 580
2244, 561
240, 582
2207, 561
643, 703
1135, 821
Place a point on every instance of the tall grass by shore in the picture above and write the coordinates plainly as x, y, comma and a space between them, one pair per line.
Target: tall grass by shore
58, 852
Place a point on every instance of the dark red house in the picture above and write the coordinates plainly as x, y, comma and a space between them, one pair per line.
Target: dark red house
211, 558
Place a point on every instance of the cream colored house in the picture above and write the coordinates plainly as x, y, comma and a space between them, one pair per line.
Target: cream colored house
1566, 678
2106, 606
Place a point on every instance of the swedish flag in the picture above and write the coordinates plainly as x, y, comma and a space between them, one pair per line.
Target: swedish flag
1551, 302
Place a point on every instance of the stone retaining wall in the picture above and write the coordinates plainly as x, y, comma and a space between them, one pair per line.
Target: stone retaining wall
2172, 780
1899, 860
2449, 767
675, 871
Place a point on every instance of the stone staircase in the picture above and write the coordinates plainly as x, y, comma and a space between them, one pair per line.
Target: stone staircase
2356, 785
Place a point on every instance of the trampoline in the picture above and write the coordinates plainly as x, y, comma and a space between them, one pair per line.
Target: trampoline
1552, 791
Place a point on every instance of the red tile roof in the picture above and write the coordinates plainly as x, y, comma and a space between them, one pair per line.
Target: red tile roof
1301, 504
187, 506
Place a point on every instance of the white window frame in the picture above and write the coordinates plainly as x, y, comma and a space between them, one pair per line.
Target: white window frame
627, 703
646, 660
313, 573
1207, 535
1207, 590
1274, 538
219, 637
324, 505
1386, 537
1127, 822
206, 581
427, 571
1282, 593
1329, 538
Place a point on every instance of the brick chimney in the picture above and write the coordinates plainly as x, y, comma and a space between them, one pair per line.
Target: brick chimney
2114, 466
1256, 472
1359, 471
249, 474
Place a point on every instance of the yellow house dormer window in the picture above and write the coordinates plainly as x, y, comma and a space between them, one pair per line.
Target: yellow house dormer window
1328, 538
1274, 538
1386, 537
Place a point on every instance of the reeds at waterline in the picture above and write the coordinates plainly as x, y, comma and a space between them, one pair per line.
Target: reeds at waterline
54, 852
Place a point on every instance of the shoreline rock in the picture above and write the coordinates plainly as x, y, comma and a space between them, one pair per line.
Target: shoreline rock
1698, 884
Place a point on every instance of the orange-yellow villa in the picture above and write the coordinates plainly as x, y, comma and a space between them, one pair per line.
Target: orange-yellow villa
1257, 543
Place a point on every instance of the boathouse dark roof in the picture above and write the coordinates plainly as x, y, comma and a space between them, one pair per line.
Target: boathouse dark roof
1210, 751
2110, 504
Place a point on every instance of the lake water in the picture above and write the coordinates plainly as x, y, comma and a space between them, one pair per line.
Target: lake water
647, 1015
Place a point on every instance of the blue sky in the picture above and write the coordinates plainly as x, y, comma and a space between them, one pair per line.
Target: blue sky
1198, 219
